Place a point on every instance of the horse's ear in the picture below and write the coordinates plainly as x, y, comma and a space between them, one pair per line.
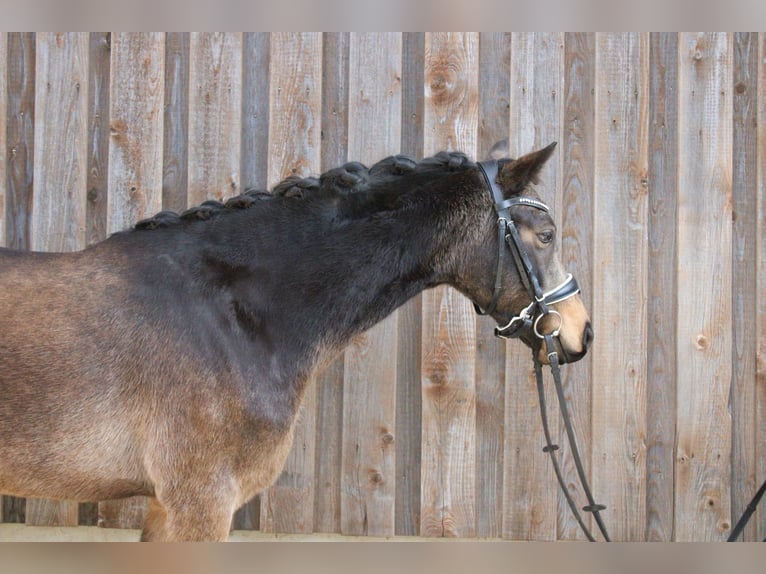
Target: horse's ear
499, 150
514, 175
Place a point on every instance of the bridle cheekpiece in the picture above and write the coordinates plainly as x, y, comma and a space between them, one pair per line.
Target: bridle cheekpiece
508, 235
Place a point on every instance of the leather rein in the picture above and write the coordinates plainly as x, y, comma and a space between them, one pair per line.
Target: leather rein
529, 319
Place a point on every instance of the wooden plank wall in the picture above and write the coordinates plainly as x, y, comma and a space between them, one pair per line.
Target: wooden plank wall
428, 425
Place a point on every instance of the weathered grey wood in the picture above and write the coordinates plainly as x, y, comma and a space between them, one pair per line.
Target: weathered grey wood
175, 156
409, 358
530, 491
760, 374
329, 427
620, 282
20, 131
368, 483
704, 315
577, 157
99, 65
215, 116
744, 471
663, 294
3, 174
448, 489
494, 119
295, 113
19, 151
255, 109
136, 130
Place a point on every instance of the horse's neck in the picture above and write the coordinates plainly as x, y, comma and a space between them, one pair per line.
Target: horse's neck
327, 282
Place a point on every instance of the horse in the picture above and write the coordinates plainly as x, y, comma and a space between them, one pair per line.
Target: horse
170, 360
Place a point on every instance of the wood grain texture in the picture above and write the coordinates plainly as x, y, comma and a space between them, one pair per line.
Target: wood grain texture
530, 491
60, 164
215, 116
760, 308
409, 355
175, 142
744, 475
368, 483
99, 65
448, 489
295, 113
663, 294
329, 383
136, 130
704, 276
255, 109
577, 158
18, 137
494, 112
20, 130
3, 174
620, 289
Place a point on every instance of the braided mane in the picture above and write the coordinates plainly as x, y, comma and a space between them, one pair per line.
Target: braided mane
350, 178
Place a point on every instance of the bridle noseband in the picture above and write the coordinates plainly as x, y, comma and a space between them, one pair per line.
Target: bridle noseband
529, 318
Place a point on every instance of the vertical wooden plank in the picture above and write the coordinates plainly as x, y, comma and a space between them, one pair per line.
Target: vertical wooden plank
577, 161
57, 220
255, 109
329, 383
744, 476
409, 354
760, 375
256, 51
704, 312
494, 119
448, 490
369, 386
99, 58
19, 90
20, 137
99, 63
3, 174
135, 145
295, 113
134, 170
3, 180
663, 295
215, 116
175, 162
530, 490
620, 289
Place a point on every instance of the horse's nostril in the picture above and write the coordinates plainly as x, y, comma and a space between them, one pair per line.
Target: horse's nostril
587, 337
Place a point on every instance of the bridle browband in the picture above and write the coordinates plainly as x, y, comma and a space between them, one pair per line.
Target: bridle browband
529, 318
508, 235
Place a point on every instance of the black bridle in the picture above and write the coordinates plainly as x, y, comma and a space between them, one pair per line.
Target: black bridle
507, 235
529, 319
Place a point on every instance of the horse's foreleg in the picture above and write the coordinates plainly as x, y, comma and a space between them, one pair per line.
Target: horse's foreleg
154, 524
182, 515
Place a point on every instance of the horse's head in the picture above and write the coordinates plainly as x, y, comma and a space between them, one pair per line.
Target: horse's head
522, 283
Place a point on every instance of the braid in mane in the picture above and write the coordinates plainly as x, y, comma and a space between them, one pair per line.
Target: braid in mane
352, 177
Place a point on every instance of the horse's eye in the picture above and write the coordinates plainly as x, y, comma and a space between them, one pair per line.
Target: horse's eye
546, 236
